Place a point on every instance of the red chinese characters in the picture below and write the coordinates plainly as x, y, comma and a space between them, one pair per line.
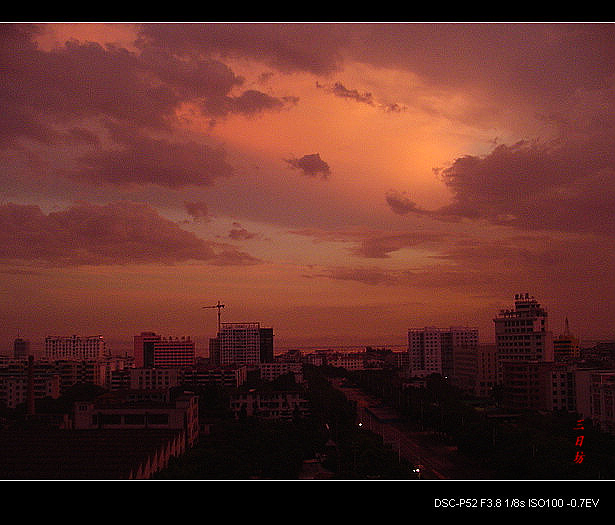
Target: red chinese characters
579, 455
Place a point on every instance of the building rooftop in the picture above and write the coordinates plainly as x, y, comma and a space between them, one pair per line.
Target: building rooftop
51, 454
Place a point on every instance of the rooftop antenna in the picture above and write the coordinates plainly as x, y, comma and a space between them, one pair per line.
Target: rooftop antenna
218, 306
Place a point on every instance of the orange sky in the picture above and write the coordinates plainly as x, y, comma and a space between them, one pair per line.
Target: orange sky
341, 183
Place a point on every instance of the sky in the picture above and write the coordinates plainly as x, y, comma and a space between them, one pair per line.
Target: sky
340, 182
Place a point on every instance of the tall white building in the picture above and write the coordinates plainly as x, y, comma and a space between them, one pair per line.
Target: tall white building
430, 349
523, 334
524, 347
75, 347
239, 343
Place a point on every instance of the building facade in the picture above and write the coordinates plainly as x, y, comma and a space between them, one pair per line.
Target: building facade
154, 351
522, 333
21, 348
566, 346
75, 347
595, 391
430, 349
524, 348
274, 405
475, 369
236, 344
115, 412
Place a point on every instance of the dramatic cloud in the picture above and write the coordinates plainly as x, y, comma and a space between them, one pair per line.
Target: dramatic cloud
339, 90
399, 203
460, 163
117, 233
529, 186
125, 105
379, 247
311, 165
287, 47
143, 160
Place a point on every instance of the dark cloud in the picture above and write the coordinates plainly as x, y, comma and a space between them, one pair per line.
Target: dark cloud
286, 47
339, 90
544, 63
378, 244
557, 263
381, 246
311, 165
143, 160
399, 203
197, 210
432, 278
560, 185
82, 93
116, 233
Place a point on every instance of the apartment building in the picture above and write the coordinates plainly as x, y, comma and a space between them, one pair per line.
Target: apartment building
278, 405
75, 347
242, 343
475, 369
129, 410
154, 351
430, 349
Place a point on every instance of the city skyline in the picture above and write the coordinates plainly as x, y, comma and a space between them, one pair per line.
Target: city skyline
338, 182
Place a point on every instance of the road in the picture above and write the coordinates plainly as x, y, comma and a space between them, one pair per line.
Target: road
437, 461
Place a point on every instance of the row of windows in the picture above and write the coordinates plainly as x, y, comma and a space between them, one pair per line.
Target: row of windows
130, 419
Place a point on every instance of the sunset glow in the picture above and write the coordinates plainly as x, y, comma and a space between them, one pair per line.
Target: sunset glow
338, 182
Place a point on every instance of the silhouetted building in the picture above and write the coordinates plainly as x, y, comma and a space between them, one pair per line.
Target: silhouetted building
21, 348
140, 410
144, 349
430, 349
276, 405
214, 351
475, 369
566, 346
107, 454
266, 343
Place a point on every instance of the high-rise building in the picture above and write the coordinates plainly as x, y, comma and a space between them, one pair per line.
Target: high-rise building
214, 351
75, 347
144, 349
475, 369
175, 352
524, 343
430, 349
565, 346
523, 334
21, 348
154, 351
266, 345
244, 344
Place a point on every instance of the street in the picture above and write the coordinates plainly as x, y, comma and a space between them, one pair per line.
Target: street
435, 461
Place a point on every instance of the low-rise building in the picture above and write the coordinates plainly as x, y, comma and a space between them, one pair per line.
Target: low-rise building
129, 410
271, 371
279, 405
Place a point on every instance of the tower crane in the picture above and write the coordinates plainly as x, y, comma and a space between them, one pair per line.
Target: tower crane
219, 307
